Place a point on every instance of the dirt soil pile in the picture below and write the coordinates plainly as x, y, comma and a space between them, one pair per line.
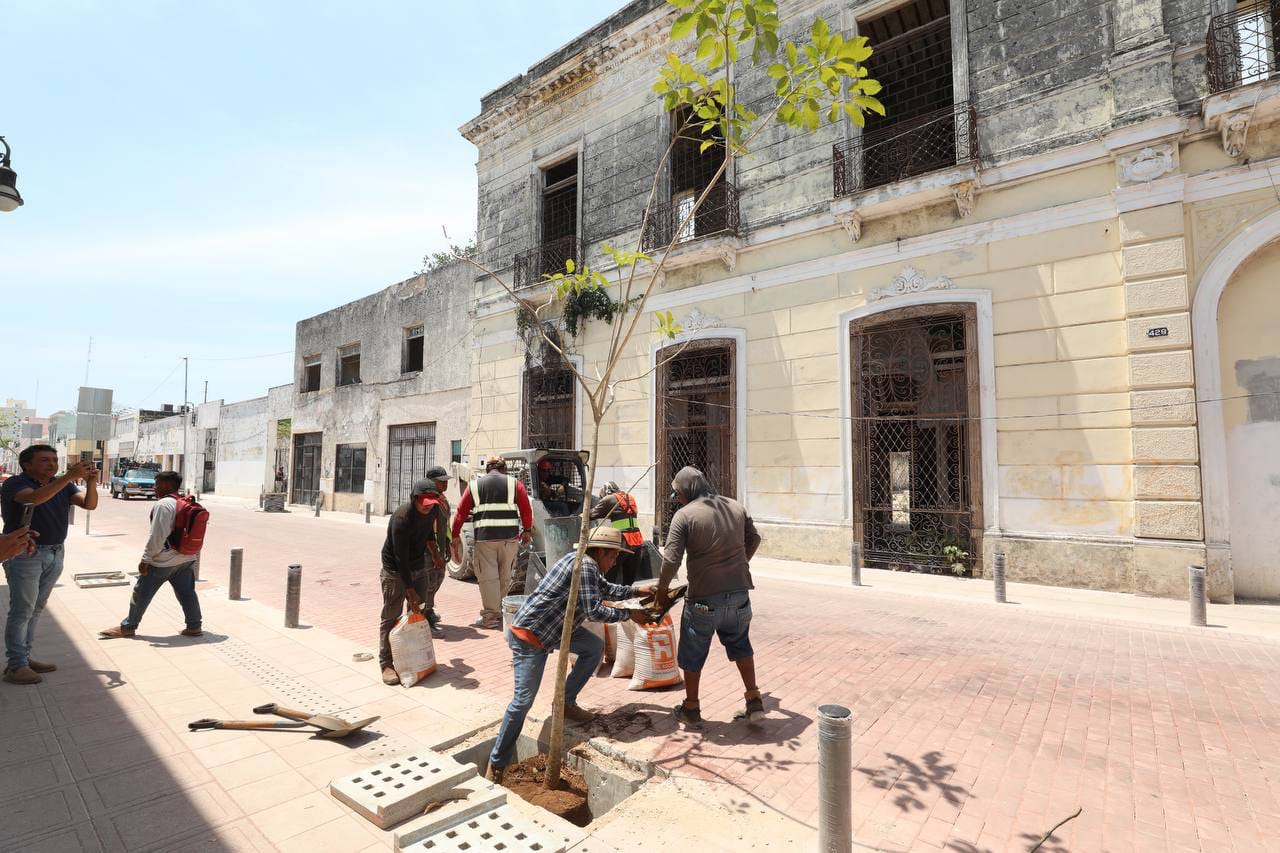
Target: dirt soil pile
569, 801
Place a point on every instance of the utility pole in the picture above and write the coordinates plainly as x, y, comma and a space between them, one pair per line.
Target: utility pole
186, 419
206, 390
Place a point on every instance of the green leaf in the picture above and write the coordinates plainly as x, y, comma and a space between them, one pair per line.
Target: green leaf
706, 143
777, 70
683, 26
681, 4
705, 46
868, 103
819, 30
792, 55
568, 265
869, 87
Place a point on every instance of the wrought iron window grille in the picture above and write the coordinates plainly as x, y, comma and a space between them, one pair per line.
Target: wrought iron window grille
1240, 46
927, 143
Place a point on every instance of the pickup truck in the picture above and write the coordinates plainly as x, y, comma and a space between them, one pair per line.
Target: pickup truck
134, 482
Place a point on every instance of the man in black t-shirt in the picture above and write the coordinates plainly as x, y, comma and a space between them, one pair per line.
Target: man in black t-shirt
31, 576
413, 538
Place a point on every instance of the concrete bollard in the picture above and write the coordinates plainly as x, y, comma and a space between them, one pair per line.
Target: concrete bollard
368, 510
855, 561
319, 501
835, 791
293, 596
1199, 608
237, 569
997, 576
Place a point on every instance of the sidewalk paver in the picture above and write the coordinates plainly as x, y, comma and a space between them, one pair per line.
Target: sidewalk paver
976, 726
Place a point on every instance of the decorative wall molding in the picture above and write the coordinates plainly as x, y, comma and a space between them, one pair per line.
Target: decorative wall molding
910, 280
1147, 164
964, 195
852, 224
696, 321
1235, 131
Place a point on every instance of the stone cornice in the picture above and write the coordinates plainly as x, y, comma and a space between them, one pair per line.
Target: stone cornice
583, 69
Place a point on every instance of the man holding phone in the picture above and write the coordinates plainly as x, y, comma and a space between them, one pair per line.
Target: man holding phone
31, 575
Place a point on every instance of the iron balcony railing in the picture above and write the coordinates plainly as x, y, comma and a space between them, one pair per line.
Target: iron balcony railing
718, 214
926, 143
1241, 46
546, 259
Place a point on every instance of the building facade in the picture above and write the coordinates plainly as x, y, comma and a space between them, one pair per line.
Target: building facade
381, 393
1028, 311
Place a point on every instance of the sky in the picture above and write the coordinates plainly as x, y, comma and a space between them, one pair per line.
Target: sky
199, 176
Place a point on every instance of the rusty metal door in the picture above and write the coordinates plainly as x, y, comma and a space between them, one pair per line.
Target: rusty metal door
411, 451
916, 481
549, 408
306, 468
696, 417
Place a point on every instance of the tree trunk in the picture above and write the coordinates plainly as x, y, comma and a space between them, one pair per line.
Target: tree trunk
555, 748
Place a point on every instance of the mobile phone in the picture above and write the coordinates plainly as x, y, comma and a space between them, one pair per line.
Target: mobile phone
27, 511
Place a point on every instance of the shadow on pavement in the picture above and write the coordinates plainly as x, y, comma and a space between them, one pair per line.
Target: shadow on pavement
908, 779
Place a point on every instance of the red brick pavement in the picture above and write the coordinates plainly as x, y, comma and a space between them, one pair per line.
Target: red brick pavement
976, 729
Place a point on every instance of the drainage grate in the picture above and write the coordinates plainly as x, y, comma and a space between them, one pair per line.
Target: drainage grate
500, 829
93, 580
283, 685
401, 788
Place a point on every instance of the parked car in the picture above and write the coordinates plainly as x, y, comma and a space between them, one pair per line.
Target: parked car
134, 483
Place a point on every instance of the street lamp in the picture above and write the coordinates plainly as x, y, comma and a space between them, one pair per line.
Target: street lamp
10, 198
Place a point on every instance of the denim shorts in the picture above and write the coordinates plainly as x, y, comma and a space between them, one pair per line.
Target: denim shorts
726, 615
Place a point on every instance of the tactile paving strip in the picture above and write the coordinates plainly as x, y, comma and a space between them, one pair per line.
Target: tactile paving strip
502, 829
287, 689
399, 789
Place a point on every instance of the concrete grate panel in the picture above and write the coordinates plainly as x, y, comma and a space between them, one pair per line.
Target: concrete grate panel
396, 790
502, 829
467, 800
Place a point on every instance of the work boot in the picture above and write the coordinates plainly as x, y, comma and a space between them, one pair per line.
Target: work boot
116, 633
433, 617
487, 623
495, 774
192, 632
41, 667
578, 714
22, 675
389, 676
691, 717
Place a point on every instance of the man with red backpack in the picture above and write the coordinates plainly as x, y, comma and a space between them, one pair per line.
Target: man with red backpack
177, 534
620, 510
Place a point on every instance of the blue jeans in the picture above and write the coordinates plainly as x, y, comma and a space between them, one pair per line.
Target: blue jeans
726, 615
183, 580
31, 578
528, 663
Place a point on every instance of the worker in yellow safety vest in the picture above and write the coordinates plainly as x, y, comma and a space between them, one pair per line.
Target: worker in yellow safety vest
619, 509
503, 516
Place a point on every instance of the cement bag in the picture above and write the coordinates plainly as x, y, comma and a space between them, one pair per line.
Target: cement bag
624, 661
654, 650
412, 653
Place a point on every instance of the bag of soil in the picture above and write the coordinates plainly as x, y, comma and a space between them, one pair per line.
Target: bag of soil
412, 653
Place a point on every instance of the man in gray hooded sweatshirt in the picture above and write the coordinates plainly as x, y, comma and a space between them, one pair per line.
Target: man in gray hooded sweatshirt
717, 539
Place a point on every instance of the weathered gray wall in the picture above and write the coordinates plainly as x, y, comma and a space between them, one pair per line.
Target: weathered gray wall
243, 436
362, 414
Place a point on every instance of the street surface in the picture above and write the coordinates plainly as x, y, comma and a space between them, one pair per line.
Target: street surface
977, 727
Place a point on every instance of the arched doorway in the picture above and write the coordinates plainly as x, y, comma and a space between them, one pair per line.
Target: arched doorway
1216, 378
1249, 371
915, 433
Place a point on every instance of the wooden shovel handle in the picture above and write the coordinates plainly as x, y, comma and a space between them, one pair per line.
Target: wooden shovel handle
238, 725
281, 711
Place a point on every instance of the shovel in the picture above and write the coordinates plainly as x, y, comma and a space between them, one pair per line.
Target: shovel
241, 725
330, 727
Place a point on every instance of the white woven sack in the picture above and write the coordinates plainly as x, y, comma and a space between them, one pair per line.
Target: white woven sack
412, 653
624, 662
654, 650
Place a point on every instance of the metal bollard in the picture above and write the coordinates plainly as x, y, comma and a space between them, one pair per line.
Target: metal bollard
319, 501
997, 576
237, 568
71, 516
855, 560
368, 509
293, 596
1199, 609
835, 792
87, 515
262, 498
195, 569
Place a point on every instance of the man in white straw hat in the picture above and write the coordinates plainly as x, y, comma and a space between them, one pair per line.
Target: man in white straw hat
535, 633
